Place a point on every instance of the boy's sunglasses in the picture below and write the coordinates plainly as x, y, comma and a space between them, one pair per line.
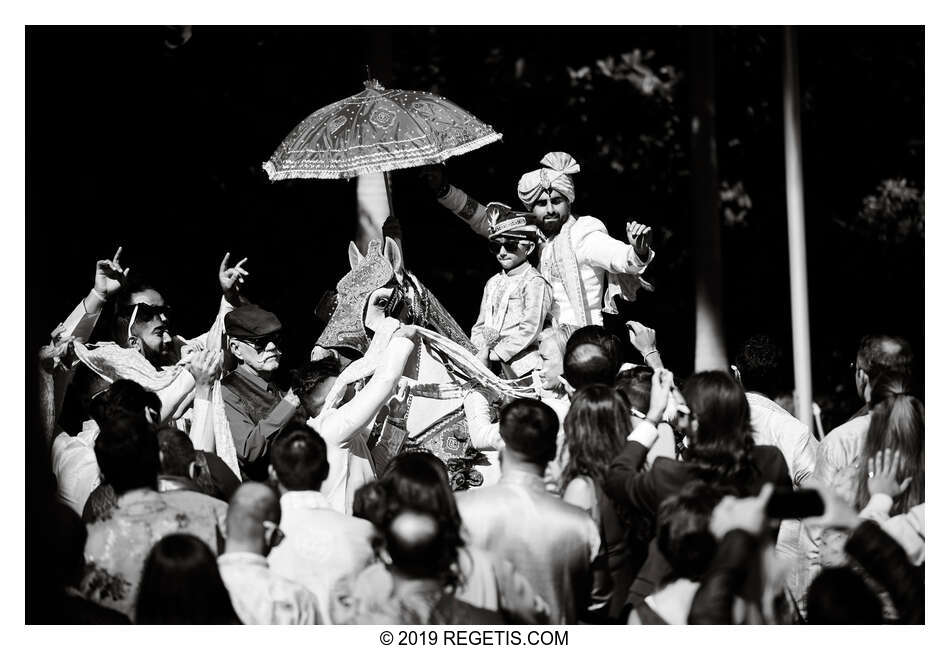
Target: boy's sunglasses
510, 245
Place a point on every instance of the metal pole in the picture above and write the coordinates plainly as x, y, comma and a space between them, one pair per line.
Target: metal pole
797, 259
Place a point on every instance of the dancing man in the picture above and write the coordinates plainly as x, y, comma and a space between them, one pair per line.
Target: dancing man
587, 268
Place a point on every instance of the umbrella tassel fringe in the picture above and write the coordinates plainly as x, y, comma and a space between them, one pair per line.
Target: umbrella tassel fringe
388, 166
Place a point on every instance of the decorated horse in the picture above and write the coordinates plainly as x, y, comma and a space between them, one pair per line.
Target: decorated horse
443, 367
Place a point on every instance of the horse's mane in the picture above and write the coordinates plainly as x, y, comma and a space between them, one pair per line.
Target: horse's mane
437, 318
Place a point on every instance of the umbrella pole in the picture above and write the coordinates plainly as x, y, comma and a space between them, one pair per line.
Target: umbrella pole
375, 216
391, 227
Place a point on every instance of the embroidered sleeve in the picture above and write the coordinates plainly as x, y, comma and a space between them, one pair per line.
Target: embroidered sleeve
467, 208
597, 248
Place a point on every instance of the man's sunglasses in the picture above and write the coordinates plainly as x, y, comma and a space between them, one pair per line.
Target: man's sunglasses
510, 245
260, 344
144, 312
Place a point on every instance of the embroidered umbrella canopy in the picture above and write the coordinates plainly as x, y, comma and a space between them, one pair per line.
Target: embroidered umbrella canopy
377, 130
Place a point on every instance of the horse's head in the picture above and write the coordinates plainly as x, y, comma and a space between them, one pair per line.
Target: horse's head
376, 286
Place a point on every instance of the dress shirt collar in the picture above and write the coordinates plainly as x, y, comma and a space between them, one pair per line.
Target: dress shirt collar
167, 483
242, 558
303, 500
527, 479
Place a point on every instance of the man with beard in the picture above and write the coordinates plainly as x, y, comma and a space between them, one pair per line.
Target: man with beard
587, 268
142, 317
143, 350
141, 322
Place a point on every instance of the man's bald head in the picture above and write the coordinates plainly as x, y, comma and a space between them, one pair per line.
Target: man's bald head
251, 505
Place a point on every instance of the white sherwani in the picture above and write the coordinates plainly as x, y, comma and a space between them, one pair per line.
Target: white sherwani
597, 254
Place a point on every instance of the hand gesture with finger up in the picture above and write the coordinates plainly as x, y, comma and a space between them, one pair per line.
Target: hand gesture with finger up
231, 279
109, 276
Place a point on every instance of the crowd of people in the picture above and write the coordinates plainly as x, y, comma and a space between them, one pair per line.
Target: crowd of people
188, 487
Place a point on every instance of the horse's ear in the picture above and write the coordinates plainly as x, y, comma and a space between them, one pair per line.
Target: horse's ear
355, 255
393, 253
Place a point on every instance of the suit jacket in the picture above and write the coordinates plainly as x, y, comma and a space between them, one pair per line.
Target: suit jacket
646, 490
552, 543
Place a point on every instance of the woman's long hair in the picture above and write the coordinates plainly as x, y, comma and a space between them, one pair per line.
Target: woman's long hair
720, 447
181, 585
897, 423
417, 481
594, 430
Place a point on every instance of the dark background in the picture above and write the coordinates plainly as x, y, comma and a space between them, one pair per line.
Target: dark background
139, 137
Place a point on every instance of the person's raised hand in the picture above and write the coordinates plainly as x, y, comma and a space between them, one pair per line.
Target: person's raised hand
433, 176
640, 237
740, 514
408, 331
660, 387
643, 338
109, 276
205, 366
882, 474
231, 278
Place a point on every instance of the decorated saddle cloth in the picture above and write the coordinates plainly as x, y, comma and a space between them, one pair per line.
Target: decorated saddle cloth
563, 267
447, 437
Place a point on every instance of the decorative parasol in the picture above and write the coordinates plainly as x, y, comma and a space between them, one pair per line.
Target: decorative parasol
377, 130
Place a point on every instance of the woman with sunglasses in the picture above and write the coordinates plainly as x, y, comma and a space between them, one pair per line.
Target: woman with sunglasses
720, 451
516, 301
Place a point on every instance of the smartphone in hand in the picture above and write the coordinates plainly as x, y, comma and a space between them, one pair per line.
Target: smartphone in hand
787, 503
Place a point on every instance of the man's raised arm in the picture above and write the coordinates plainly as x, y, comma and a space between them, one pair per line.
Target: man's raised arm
339, 425
108, 280
230, 279
467, 208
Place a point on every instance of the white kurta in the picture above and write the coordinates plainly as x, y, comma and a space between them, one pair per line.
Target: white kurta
597, 254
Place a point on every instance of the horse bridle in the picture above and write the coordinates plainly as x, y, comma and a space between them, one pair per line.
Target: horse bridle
401, 305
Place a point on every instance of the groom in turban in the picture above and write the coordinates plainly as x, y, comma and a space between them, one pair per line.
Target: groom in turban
587, 268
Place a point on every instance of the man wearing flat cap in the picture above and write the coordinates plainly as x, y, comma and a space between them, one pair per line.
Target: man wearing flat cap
255, 407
